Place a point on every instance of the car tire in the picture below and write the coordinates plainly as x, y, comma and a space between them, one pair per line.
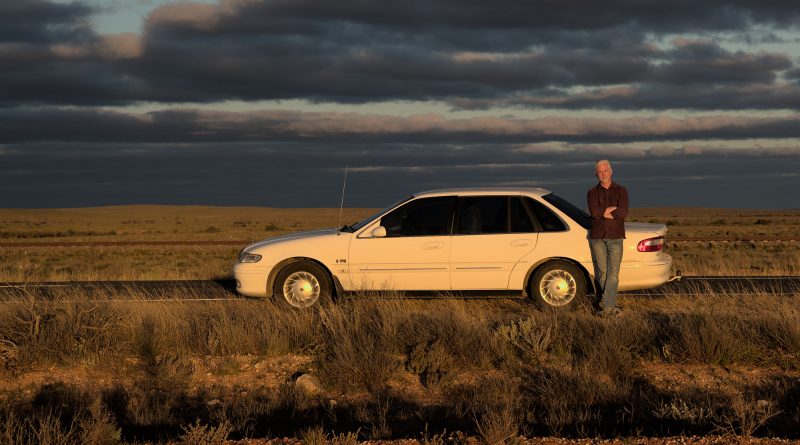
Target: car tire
302, 284
557, 285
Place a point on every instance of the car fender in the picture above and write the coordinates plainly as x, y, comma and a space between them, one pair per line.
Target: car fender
280, 265
532, 269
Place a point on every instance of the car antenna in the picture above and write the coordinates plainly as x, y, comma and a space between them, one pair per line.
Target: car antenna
341, 204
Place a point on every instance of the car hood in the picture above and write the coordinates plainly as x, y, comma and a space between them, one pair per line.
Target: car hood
292, 237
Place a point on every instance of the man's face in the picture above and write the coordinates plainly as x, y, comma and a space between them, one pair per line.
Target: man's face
603, 173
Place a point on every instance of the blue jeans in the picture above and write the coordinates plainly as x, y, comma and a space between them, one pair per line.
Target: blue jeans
607, 256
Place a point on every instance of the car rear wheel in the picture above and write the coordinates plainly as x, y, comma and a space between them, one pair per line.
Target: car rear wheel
303, 284
557, 285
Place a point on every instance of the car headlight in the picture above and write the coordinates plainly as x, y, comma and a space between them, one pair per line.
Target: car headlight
249, 258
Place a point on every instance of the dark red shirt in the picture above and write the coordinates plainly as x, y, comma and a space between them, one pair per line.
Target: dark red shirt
598, 199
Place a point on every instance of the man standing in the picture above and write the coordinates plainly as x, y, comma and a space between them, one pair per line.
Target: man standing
608, 204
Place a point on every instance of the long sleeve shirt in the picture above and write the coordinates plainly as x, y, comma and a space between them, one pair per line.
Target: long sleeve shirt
598, 199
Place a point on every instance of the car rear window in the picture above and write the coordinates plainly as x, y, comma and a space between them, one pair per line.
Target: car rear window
577, 215
548, 220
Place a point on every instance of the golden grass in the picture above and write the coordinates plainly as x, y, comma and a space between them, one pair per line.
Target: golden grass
140, 371
161, 223
185, 223
31, 264
688, 222
724, 362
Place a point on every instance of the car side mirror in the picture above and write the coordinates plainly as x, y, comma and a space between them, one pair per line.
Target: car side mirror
379, 232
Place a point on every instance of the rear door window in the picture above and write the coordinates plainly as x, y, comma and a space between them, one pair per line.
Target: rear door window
520, 219
482, 215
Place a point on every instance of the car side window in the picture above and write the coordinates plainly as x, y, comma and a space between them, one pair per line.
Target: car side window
520, 220
421, 217
547, 219
482, 214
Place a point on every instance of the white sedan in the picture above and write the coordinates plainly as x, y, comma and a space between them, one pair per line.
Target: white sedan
522, 241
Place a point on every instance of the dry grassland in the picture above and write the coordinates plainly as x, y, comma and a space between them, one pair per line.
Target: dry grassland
438, 371
190, 223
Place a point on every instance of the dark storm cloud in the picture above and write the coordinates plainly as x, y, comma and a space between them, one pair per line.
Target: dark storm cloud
57, 148
39, 21
654, 96
37, 125
674, 16
466, 53
707, 62
310, 174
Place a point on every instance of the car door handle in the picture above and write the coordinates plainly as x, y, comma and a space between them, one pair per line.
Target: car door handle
521, 243
433, 245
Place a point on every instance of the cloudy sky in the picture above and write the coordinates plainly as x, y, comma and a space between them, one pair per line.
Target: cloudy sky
265, 102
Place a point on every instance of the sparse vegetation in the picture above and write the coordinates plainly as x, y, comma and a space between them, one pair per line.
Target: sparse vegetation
74, 370
189, 223
492, 369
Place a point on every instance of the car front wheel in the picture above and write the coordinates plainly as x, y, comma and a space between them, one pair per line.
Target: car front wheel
302, 284
558, 285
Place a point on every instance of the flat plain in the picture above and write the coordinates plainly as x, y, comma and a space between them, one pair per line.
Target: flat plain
744, 253
713, 369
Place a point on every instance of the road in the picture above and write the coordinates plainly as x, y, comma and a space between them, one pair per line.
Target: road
216, 290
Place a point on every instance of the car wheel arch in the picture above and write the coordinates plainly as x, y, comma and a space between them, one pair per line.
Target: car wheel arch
337, 285
532, 270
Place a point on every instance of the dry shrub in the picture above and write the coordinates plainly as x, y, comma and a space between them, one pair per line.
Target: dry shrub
42, 429
530, 339
716, 339
60, 414
495, 405
462, 328
442, 337
575, 340
99, 427
431, 362
162, 368
244, 413
357, 345
247, 327
746, 416
161, 388
199, 434
349, 438
780, 327
317, 436
314, 436
689, 407
608, 347
771, 405
58, 331
578, 399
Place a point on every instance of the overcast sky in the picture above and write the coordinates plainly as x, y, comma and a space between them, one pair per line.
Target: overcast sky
264, 102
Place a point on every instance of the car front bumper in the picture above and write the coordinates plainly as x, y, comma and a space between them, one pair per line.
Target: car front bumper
251, 279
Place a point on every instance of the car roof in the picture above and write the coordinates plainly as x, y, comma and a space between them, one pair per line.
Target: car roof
467, 191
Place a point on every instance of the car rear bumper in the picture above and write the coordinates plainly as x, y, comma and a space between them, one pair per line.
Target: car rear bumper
645, 274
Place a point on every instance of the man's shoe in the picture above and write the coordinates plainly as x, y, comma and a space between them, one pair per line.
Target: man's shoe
611, 312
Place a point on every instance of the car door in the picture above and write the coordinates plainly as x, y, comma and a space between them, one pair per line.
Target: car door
491, 234
413, 254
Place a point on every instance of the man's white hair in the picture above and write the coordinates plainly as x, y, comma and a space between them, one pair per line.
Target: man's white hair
601, 162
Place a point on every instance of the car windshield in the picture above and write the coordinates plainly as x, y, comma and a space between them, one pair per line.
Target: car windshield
577, 215
369, 219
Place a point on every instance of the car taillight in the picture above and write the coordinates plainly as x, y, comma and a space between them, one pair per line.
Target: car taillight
651, 245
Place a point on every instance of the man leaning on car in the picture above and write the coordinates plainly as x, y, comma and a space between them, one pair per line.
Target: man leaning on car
608, 205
